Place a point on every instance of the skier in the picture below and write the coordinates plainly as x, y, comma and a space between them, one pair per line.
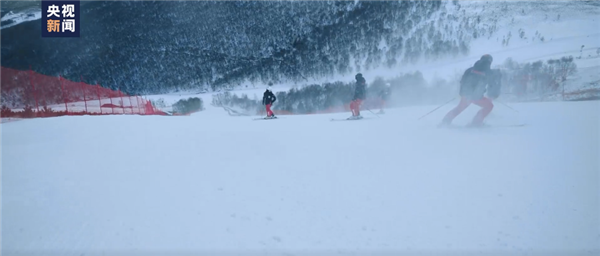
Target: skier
359, 96
472, 89
383, 97
268, 100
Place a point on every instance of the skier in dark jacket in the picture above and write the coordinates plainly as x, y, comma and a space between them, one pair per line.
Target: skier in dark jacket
268, 100
472, 89
359, 96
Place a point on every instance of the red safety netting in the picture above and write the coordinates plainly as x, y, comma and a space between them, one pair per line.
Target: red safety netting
29, 94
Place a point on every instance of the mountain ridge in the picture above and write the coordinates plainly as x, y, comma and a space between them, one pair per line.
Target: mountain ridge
184, 45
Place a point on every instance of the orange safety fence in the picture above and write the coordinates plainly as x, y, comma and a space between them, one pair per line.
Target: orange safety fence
28, 94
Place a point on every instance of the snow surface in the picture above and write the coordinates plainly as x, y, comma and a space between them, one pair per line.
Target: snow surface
211, 184
12, 19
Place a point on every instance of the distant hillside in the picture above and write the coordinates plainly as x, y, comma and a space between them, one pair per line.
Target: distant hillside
159, 46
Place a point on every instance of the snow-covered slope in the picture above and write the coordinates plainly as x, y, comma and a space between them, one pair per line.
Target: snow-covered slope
564, 27
209, 184
12, 19
550, 30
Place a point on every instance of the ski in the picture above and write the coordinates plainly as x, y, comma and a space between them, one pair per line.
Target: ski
265, 118
484, 126
346, 119
503, 125
495, 126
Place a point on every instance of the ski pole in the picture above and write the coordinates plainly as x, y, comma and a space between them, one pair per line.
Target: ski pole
436, 108
508, 106
373, 113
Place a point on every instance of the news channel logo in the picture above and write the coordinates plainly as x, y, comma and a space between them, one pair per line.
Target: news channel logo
60, 19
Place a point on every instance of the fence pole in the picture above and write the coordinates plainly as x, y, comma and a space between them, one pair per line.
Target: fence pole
99, 101
146, 110
131, 104
64, 96
83, 90
143, 107
153, 108
122, 101
152, 104
124, 94
35, 93
137, 100
112, 106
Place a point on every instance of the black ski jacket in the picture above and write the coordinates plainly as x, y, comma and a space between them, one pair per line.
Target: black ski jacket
268, 98
474, 81
360, 90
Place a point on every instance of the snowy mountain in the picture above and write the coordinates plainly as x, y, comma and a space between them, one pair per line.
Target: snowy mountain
12, 19
202, 43
191, 44
13, 13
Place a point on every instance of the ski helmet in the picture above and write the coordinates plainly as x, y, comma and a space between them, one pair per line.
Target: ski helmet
358, 76
487, 57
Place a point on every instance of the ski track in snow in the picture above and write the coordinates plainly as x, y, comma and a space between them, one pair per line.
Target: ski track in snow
212, 184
